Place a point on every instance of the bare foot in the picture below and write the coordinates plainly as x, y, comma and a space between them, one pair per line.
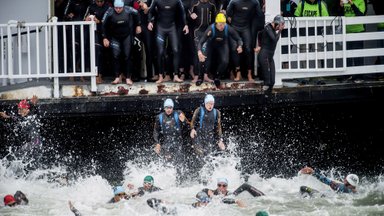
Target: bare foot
207, 79
129, 81
195, 78
182, 77
160, 80
238, 76
177, 79
99, 80
250, 79
154, 78
167, 78
116, 81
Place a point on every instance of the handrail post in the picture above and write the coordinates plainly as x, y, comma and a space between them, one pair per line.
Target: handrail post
56, 86
344, 43
92, 55
10, 50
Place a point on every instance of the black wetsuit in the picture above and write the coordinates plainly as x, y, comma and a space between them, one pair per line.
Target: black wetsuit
120, 30
268, 40
206, 12
217, 48
78, 8
244, 187
167, 12
141, 191
98, 12
242, 14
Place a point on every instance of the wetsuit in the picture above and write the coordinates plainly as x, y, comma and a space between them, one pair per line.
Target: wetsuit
217, 48
267, 41
336, 186
120, 30
242, 13
244, 187
98, 12
78, 8
20, 198
167, 11
169, 132
206, 12
142, 191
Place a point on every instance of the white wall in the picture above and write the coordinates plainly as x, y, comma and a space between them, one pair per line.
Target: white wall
24, 10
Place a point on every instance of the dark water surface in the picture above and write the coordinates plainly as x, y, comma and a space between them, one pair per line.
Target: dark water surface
270, 141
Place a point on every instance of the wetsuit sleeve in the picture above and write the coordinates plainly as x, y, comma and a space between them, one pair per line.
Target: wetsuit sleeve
339, 187
136, 17
235, 36
246, 187
230, 8
75, 211
219, 131
182, 13
105, 22
228, 201
156, 130
87, 12
207, 34
259, 12
195, 117
270, 33
68, 9
151, 11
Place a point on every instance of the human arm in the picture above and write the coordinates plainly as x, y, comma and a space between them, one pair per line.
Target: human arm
104, 26
156, 134
359, 8
235, 36
151, 12
194, 123
219, 132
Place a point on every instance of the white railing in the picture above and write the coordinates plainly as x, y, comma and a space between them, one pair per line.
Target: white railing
47, 50
321, 48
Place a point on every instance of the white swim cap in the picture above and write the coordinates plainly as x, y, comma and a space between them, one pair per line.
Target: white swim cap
209, 98
168, 103
352, 179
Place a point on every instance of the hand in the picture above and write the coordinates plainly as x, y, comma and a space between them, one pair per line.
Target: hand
239, 49
130, 186
210, 193
281, 27
138, 29
201, 56
193, 133
70, 205
182, 117
34, 99
71, 15
221, 145
4, 115
157, 148
193, 16
240, 203
307, 170
106, 42
143, 5
150, 26
185, 29
257, 49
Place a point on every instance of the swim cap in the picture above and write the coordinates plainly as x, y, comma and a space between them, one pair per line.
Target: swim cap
220, 18
222, 180
352, 179
203, 197
209, 98
278, 20
9, 200
118, 190
168, 103
118, 3
23, 104
149, 179
262, 213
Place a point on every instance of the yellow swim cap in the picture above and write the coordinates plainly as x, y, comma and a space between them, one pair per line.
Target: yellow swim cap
220, 18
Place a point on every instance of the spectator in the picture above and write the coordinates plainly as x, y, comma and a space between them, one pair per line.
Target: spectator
118, 28
216, 38
164, 14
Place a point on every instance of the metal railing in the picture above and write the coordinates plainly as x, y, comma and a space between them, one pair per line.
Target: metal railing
48, 50
317, 47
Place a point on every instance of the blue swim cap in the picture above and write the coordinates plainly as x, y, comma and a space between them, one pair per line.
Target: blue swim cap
118, 3
222, 180
203, 197
209, 98
168, 103
118, 190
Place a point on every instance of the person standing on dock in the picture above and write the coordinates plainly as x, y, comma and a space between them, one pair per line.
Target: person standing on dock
170, 127
118, 28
